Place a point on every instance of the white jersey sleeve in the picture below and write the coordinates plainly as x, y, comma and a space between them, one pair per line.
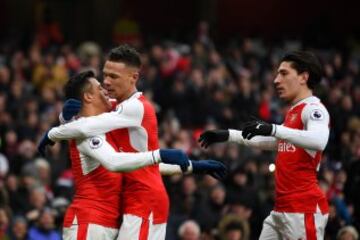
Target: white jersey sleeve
315, 134
260, 142
128, 114
99, 149
170, 169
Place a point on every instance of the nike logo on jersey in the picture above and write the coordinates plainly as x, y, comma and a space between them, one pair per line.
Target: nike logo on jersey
258, 126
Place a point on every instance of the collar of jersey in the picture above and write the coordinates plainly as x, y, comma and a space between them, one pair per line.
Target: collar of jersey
310, 99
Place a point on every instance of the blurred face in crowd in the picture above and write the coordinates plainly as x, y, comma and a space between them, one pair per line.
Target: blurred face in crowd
19, 229
189, 231
38, 198
4, 220
234, 234
97, 96
120, 79
190, 234
347, 236
218, 195
289, 84
46, 220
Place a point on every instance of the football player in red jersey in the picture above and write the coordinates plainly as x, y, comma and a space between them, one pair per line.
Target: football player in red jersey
134, 129
95, 211
301, 208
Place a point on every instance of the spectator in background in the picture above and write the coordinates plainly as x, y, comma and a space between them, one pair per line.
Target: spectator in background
44, 229
37, 202
232, 227
347, 233
19, 228
4, 223
334, 223
208, 212
189, 230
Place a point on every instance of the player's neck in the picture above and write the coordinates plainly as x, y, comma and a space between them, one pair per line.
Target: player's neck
127, 96
305, 93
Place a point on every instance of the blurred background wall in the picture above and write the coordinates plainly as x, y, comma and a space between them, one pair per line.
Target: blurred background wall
316, 22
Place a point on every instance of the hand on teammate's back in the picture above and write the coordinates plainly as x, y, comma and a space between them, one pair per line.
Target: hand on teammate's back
214, 168
71, 108
45, 140
175, 156
213, 136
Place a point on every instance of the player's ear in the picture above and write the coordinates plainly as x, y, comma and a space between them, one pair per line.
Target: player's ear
88, 96
134, 77
304, 78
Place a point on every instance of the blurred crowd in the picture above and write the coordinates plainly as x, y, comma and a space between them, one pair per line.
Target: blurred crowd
194, 86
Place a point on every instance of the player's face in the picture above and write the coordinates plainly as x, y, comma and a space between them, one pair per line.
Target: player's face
288, 83
120, 80
100, 96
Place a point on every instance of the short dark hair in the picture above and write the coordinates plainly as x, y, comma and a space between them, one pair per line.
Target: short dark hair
234, 225
126, 54
304, 61
77, 84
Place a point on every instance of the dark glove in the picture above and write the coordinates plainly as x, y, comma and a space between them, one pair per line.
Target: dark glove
45, 140
71, 108
175, 157
255, 128
214, 168
213, 136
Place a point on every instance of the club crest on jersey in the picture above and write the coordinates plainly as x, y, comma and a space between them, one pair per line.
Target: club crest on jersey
317, 114
95, 142
292, 117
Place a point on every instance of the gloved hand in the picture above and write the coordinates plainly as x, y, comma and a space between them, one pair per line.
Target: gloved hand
213, 136
214, 168
175, 157
45, 140
71, 108
255, 128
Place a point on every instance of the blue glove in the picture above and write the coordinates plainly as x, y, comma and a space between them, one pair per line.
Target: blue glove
71, 108
214, 168
175, 157
45, 140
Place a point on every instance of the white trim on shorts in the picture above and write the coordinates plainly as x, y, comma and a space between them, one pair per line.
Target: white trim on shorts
282, 225
93, 232
137, 228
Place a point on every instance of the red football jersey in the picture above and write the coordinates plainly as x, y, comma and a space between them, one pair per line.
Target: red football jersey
143, 190
97, 196
297, 187
135, 125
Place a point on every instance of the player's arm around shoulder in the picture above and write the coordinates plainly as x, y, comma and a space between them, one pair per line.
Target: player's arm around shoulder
98, 149
131, 110
127, 114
